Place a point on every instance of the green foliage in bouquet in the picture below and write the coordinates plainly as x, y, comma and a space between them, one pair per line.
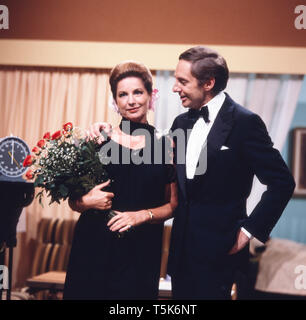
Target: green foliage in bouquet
65, 165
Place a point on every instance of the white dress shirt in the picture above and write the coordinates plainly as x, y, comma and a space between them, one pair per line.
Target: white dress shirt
201, 129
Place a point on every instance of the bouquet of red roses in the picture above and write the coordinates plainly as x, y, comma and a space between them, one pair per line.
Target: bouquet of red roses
65, 164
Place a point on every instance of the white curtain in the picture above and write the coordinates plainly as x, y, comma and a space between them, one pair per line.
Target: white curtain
168, 106
272, 97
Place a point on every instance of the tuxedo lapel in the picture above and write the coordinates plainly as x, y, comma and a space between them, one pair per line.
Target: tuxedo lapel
186, 125
219, 131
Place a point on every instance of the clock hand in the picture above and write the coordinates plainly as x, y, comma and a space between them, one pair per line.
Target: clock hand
14, 159
12, 152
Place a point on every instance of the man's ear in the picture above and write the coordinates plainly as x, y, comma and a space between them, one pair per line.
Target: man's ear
209, 84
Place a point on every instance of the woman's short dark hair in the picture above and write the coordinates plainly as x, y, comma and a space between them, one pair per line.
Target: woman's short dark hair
130, 69
207, 64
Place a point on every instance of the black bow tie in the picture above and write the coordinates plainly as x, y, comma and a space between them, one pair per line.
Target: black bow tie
196, 114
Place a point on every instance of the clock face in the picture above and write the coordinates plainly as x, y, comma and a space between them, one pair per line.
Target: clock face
12, 153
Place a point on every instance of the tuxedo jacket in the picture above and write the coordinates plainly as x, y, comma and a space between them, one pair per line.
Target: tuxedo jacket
212, 207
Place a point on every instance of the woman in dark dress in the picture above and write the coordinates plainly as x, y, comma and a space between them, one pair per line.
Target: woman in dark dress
103, 265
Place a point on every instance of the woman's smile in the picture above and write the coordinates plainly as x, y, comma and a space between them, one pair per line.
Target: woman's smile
134, 109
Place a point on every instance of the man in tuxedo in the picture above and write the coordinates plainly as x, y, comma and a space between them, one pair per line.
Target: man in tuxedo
211, 229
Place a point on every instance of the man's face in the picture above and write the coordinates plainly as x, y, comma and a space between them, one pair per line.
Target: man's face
186, 85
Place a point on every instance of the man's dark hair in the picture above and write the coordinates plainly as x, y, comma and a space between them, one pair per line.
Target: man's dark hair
207, 64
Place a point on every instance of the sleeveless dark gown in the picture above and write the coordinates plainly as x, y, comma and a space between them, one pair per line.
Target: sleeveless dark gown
104, 266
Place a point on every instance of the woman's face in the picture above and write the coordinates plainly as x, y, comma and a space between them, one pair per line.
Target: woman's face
133, 99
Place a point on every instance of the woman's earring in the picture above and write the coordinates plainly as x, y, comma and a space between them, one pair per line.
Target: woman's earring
153, 99
114, 106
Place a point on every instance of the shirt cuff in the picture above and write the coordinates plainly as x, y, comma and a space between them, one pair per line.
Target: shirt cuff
247, 233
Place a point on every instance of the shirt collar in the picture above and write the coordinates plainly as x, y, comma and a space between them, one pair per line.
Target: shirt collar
215, 104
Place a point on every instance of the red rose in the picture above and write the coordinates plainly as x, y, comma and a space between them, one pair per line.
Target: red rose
28, 161
41, 143
35, 150
29, 175
68, 126
47, 136
56, 135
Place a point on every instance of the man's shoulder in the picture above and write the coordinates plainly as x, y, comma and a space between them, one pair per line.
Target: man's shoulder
240, 112
182, 116
239, 109
245, 119
179, 119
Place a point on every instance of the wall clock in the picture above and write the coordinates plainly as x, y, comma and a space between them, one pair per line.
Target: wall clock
13, 151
